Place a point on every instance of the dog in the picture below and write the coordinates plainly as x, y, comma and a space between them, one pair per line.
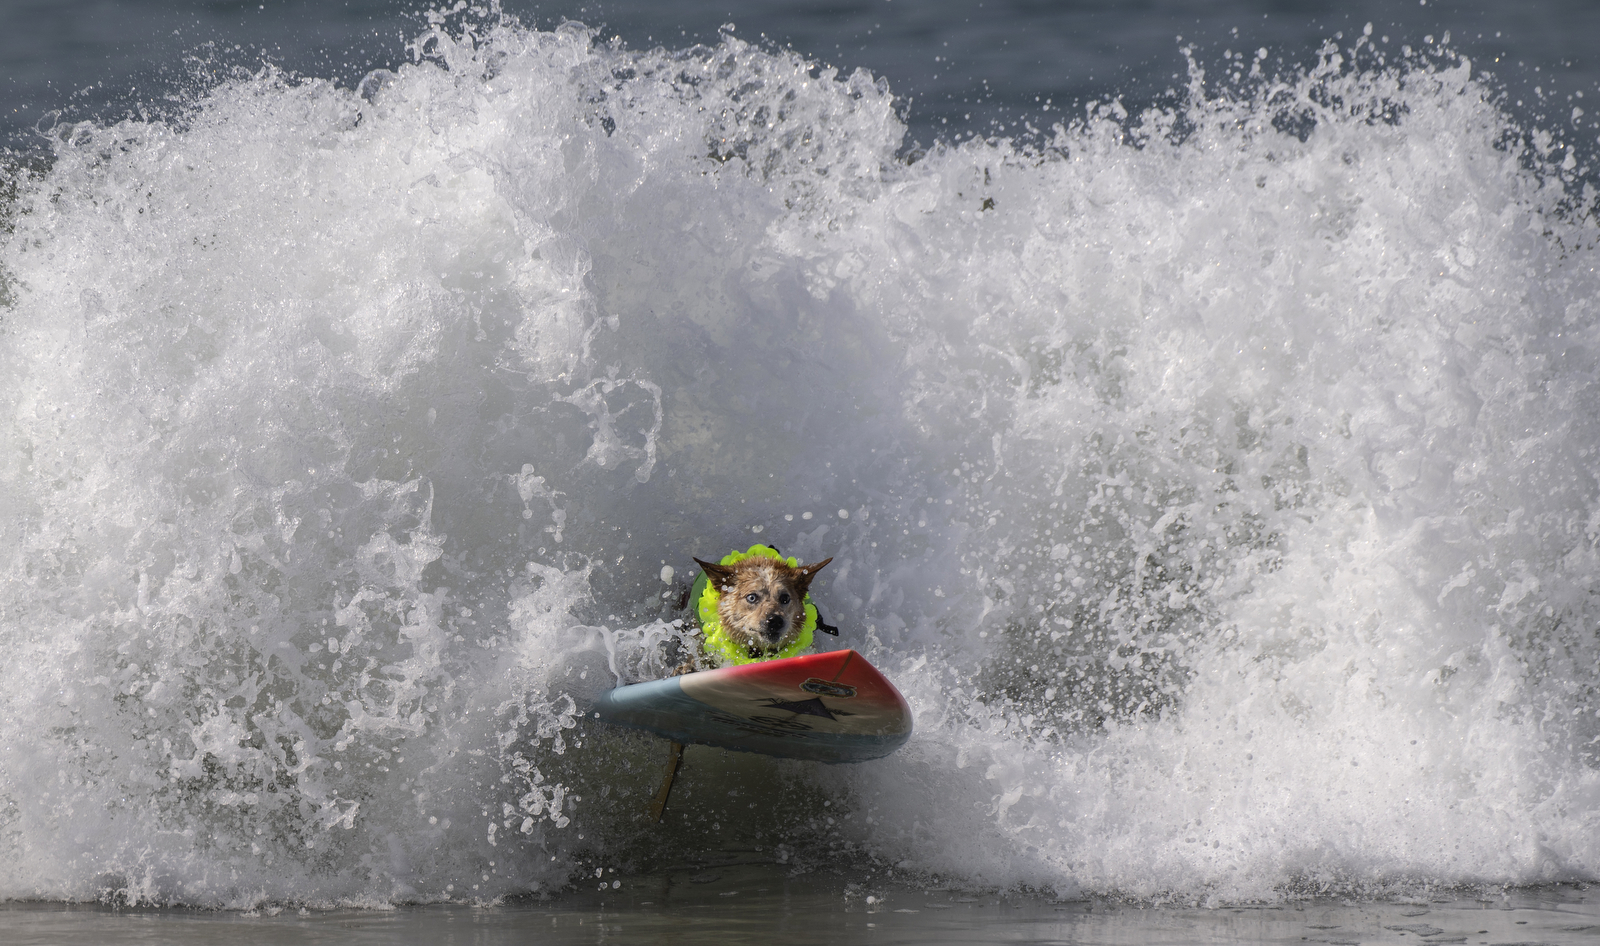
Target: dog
761, 605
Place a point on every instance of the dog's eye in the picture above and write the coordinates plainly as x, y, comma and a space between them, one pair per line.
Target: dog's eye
783, 598
752, 597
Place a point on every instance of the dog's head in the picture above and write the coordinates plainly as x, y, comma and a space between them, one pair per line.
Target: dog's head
762, 603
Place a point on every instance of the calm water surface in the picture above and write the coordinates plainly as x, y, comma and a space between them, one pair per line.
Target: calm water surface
757, 904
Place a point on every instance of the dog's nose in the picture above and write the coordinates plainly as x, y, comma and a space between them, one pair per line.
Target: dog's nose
775, 624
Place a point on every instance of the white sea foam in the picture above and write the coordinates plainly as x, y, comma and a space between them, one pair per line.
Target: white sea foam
1218, 483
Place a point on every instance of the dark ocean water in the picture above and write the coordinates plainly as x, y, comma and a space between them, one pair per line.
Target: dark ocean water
1200, 403
959, 66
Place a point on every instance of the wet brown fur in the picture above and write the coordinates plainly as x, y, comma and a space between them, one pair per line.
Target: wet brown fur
762, 602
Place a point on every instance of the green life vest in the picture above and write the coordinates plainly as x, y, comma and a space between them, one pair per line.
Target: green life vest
723, 650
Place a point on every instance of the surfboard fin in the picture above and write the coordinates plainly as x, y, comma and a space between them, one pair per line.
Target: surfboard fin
658, 805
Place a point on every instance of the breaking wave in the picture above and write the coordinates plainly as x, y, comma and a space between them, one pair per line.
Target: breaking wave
1217, 480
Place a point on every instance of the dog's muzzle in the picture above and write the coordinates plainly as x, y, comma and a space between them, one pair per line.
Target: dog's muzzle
773, 628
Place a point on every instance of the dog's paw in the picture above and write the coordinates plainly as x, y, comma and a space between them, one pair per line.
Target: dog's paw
688, 666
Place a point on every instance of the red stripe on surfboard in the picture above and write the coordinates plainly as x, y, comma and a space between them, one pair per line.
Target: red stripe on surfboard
839, 666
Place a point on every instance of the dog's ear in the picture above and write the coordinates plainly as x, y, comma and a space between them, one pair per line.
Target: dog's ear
808, 572
720, 576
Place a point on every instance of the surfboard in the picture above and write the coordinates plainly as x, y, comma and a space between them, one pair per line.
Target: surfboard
833, 707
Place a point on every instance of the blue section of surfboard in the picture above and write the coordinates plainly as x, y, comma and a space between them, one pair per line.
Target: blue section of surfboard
833, 707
